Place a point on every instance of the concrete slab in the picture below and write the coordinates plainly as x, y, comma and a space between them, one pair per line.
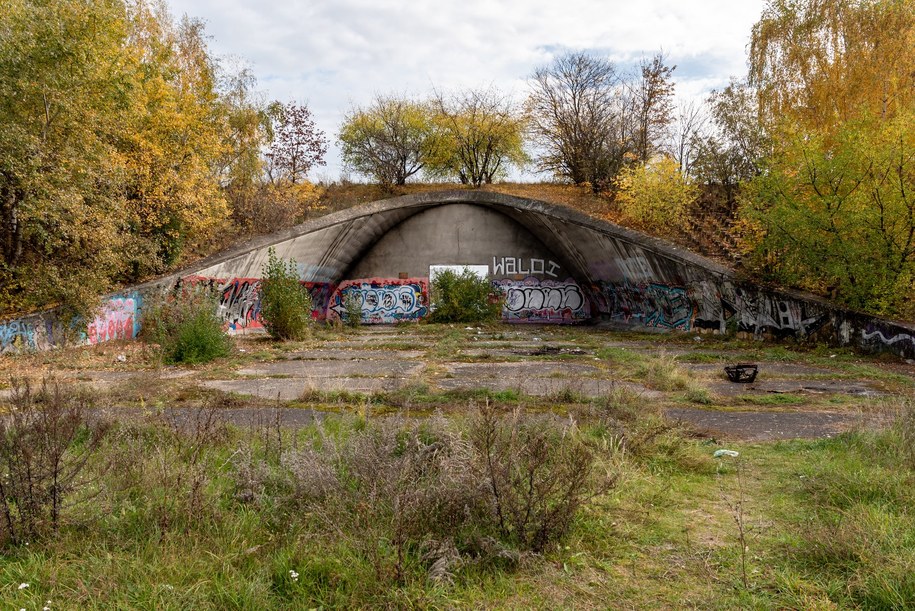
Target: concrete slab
764, 426
544, 387
857, 388
335, 368
522, 369
334, 354
765, 369
287, 389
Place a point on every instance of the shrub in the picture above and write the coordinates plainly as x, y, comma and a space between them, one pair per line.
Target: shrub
352, 309
463, 297
431, 493
285, 302
46, 440
186, 326
539, 475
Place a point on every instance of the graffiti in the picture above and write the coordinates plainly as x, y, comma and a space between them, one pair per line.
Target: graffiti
239, 299
649, 304
872, 334
383, 300
240, 304
759, 313
117, 319
711, 311
511, 266
320, 293
16, 336
547, 301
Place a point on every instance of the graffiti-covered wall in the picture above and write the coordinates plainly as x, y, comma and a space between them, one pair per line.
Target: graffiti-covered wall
542, 301
118, 318
552, 265
382, 300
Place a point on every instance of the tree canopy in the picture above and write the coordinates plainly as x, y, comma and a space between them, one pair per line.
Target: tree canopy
478, 135
120, 139
389, 140
832, 209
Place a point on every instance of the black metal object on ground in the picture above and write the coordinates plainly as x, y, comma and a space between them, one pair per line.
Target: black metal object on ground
742, 372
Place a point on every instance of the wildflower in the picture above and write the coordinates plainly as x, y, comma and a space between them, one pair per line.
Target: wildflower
294, 575
23, 586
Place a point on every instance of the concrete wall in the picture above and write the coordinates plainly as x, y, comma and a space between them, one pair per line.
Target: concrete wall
552, 264
118, 318
455, 234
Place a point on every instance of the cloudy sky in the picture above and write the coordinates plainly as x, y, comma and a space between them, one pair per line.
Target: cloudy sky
334, 54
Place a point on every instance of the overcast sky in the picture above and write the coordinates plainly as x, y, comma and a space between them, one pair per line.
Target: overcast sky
334, 54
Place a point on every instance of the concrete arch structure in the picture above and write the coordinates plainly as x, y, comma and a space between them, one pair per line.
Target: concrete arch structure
552, 263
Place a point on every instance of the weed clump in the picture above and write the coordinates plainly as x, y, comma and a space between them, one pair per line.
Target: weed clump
186, 326
46, 441
352, 310
463, 297
285, 302
538, 476
433, 493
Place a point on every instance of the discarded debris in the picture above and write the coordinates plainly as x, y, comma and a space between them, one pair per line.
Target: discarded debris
720, 453
743, 373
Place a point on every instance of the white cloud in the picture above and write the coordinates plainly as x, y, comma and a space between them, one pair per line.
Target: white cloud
336, 53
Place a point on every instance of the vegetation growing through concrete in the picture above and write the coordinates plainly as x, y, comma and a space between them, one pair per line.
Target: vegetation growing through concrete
463, 297
231, 499
285, 305
185, 326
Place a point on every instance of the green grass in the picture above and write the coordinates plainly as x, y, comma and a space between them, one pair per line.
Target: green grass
830, 525
830, 521
772, 399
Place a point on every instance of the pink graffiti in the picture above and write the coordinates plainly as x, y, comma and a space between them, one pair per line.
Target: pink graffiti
115, 321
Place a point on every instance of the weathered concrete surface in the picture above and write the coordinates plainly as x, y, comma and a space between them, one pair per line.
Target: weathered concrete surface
763, 426
310, 369
535, 378
551, 263
599, 270
288, 389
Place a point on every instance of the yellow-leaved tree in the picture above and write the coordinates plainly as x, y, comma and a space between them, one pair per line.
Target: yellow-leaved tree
655, 195
833, 209
478, 136
176, 134
113, 142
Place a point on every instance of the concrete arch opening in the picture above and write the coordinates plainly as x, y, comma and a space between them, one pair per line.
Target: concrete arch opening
553, 264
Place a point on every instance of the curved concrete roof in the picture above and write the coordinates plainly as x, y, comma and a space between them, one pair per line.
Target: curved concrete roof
346, 235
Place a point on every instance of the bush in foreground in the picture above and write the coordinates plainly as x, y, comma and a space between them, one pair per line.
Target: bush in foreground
285, 303
46, 441
186, 326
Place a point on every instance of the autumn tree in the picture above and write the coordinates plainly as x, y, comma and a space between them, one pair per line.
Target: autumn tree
389, 140
479, 134
298, 145
732, 150
655, 196
653, 109
173, 140
242, 168
832, 209
113, 135
574, 110
822, 62
689, 128
836, 214
64, 89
